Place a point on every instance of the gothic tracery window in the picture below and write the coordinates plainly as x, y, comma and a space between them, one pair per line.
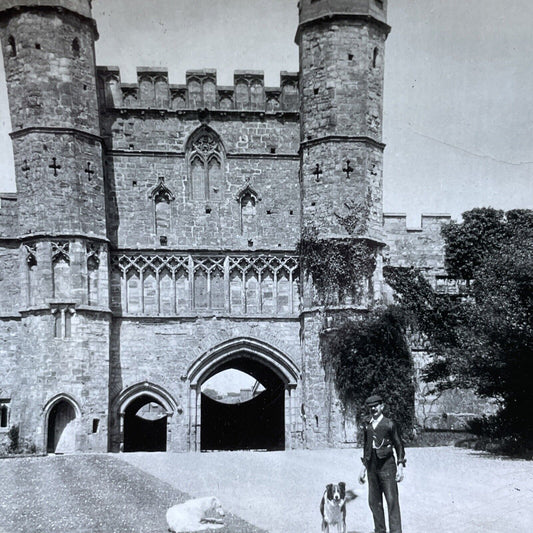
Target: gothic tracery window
205, 160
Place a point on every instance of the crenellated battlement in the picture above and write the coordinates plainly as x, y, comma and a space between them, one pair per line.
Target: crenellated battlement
421, 247
200, 91
397, 222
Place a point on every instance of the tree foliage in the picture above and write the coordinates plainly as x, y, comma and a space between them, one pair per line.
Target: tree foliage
484, 339
370, 355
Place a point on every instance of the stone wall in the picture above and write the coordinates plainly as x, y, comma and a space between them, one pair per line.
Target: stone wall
353, 51
258, 155
51, 80
10, 384
9, 278
421, 247
58, 362
66, 200
160, 353
8, 215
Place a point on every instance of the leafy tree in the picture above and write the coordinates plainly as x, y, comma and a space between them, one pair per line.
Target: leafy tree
370, 355
483, 339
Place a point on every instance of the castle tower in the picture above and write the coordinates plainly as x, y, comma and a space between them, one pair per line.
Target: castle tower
48, 48
341, 106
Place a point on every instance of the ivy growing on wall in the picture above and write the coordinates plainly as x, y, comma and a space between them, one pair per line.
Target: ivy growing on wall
338, 266
370, 355
355, 221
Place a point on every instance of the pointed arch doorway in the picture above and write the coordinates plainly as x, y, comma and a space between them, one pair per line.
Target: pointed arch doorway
61, 425
265, 421
145, 425
142, 414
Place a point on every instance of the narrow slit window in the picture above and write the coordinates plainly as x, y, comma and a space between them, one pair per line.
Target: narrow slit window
76, 47
375, 58
57, 325
4, 413
68, 325
12, 46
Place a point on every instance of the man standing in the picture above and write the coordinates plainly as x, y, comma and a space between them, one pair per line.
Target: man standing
381, 437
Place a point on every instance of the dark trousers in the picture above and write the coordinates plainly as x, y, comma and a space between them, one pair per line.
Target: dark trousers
382, 481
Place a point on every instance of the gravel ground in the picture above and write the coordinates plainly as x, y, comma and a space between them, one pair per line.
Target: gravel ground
87, 494
446, 490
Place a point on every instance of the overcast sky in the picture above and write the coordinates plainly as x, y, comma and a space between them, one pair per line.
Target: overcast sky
458, 85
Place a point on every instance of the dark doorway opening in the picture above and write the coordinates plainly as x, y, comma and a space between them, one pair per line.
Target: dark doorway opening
145, 426
61, 435
255, 424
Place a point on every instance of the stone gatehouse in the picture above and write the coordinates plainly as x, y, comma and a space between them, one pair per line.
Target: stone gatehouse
151, 243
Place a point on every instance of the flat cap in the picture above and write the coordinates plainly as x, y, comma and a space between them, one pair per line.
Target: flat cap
375, 399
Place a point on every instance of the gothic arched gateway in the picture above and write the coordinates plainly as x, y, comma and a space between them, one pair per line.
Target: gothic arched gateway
266, 421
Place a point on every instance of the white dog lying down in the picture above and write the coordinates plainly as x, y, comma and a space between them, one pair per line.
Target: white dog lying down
195, 515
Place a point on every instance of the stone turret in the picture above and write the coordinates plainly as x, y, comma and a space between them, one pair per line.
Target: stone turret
50, 72
341, 102
341, 108
48, 49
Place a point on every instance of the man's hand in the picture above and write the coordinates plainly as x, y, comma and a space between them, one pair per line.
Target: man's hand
362, 476
399, 473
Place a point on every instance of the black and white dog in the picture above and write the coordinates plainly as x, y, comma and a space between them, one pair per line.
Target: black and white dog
333, 506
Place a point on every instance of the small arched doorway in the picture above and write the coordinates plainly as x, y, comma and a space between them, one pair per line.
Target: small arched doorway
145, 425
61, 430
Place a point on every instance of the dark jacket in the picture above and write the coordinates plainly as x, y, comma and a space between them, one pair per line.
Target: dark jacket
387, 438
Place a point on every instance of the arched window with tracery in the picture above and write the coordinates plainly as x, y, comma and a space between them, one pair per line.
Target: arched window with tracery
205, 158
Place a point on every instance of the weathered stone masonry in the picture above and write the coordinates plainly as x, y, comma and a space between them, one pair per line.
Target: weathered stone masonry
151, 242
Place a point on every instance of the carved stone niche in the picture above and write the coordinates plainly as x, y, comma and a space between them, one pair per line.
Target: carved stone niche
248, 199
162, 196
226, 98
201, 88
178, 96
130, 96
273, 97
110, 86
249, 89
289, 90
